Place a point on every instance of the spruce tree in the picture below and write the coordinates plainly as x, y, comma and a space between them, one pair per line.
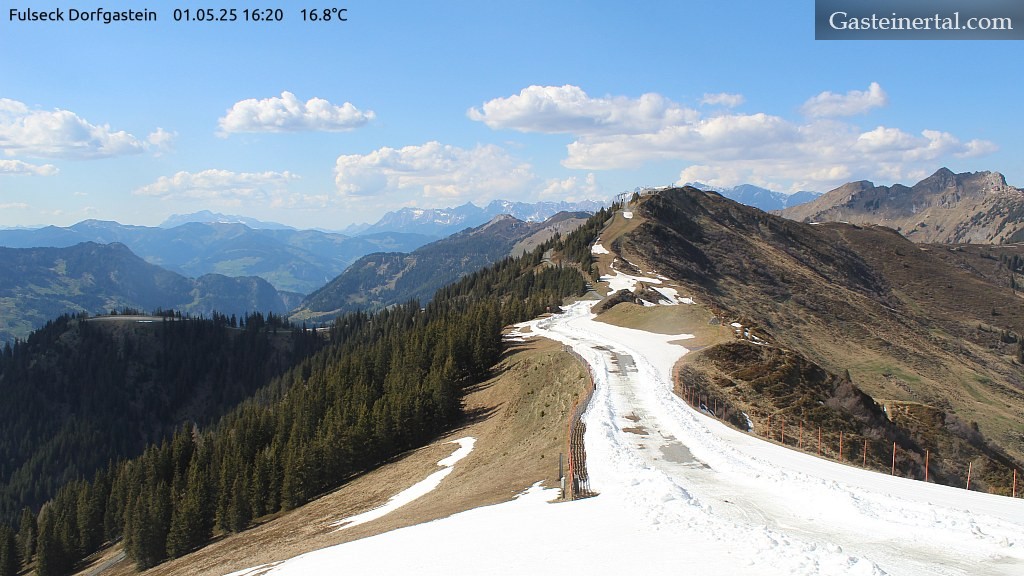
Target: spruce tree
27, 531
9, 562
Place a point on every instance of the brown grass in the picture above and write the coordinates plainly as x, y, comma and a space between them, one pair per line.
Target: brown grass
519, 420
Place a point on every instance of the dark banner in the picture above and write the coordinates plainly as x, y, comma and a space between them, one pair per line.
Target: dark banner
919, 20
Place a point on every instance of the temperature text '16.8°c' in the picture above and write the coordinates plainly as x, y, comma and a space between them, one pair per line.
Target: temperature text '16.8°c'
325, 15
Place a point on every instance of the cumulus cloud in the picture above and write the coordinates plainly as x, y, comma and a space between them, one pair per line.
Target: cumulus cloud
24, 168
15, 206
823, 148
161, 141
723, 99
433, 171
289, 114
222, 187
571, 189
724, 137
829, 154
830, 104
60, 134
568, 109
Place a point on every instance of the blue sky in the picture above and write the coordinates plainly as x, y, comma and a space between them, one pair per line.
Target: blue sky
437, 103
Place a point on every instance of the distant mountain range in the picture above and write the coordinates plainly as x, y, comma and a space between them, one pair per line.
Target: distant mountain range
976, 208
292, 260
207, 217
382, 279
758, 197
441, 222
299, 261
39, 284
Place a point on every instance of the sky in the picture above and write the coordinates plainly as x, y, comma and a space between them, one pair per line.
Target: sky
439, 103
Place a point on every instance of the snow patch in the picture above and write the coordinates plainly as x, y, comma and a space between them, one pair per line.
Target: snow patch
415, 491
598, 249
627, 215
622, 281
739, 505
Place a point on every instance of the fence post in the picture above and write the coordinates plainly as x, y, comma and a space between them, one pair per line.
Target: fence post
783, 430
893, 473
840, 445
769, 427
819, 440
561, 474
800, 443
1014, 482
927, 454
865, 464
970, 465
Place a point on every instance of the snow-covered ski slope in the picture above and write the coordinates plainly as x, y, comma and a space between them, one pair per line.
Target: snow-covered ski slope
680, 493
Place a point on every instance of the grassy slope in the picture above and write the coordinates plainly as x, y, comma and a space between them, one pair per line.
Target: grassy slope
519, 419
915, 333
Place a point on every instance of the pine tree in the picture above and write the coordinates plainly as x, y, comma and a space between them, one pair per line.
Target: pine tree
239, 510
52, 559
9, 561
28, 529
192, 518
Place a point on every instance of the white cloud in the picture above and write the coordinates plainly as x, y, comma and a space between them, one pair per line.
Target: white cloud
223, 187
161, 140
828, 154
830, 104
433, 172
571, 189
15, 206
568, 109
816, 152
24, 168
723, 99
60, 134
722, 137
289, 114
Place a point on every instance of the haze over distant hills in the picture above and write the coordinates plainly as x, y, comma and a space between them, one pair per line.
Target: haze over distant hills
443, 222
382, 279
299, 261
292, 260
208, 217
39, 284
763, 198
978, 208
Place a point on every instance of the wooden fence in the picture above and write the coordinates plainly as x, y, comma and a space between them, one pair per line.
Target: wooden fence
849, 448
576, 481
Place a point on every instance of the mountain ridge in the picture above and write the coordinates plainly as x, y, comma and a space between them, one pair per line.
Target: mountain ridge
38, 284
446, 221
921, 334
758, 197
945, 207
382, 279
292, 260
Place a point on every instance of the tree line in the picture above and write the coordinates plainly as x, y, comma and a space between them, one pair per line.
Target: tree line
387, 381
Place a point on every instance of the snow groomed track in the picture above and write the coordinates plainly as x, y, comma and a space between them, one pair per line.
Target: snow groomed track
681, 493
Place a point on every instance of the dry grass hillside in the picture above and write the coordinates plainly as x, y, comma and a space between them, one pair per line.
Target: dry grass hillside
519, 420
934, 344
947, 208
